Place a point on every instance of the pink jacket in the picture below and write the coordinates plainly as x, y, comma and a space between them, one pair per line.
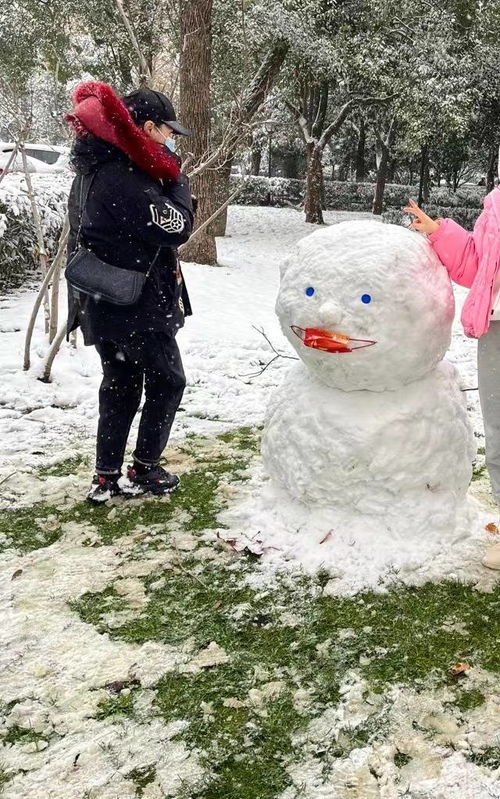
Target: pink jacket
473, 260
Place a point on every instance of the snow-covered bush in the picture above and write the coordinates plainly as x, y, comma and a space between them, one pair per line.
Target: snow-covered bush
267, 191
465, 197
347, 196
18, 241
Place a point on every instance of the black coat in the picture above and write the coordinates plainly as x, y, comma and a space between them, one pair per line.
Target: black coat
129, 219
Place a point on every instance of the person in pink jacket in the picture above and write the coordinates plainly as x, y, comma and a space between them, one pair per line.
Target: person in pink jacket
473, 261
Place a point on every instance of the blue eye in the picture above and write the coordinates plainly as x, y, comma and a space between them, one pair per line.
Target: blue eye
310, 291
366, 298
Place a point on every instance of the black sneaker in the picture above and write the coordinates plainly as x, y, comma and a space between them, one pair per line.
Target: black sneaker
154, 481
104, 487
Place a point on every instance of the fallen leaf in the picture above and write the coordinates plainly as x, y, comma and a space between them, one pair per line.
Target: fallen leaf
327, 537
16, 574
492, 528
460, 668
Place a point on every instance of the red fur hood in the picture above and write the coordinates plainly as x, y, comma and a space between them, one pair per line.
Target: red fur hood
98, 110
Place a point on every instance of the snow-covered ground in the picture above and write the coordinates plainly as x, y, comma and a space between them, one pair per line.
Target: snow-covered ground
224, 353
58, 669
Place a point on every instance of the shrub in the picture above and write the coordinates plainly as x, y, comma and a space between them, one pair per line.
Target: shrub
18, 242
345, 196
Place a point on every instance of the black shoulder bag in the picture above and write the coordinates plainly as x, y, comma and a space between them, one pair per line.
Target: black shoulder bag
88, 274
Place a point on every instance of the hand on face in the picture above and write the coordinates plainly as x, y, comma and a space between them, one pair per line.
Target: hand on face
421, 222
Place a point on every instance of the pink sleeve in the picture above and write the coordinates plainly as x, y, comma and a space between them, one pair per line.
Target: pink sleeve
456, 249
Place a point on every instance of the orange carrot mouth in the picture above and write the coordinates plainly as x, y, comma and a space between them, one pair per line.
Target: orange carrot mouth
329, 341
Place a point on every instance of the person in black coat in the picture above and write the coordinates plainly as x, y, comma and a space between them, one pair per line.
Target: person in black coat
131, 206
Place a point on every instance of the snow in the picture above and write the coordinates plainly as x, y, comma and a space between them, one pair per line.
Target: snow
382, 285
371, 446
51, 191
56, 667
419, 724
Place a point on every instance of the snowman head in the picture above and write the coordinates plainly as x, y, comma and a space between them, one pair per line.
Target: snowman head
366, 305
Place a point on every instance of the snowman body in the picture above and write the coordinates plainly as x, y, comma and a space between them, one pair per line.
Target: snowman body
371, 420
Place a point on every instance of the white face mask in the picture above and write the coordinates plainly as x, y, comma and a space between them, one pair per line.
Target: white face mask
168, 141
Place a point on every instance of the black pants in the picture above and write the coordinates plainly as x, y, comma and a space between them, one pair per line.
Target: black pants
151, 360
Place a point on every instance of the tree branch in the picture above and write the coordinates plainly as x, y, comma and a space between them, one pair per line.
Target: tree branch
319, 122
344, 112
301, 121
133, 38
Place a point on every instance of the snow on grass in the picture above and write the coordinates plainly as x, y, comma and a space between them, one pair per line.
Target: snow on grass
141, 655
138, 659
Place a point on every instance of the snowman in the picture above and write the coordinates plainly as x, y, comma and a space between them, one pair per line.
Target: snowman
370, 423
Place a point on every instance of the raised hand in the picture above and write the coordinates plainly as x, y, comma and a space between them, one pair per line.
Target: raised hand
422, 222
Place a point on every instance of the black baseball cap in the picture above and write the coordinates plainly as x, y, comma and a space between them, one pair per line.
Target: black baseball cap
145, 104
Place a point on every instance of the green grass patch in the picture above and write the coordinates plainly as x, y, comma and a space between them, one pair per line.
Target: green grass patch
197, 495
5, 777
489, 757
469, 699
141, 777
245, 438
63, 468
479, 472
116, 706
396, 637
39, 526
22, 735
400, 759
30, 528
92, 607
256, 767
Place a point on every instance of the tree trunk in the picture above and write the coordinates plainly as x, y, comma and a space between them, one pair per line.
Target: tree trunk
291, 165
427, 180
382, 166
492, 169
360, 152
314, 182
344, 168
222, 177
424, 157
194, 90
391, 170
256, 159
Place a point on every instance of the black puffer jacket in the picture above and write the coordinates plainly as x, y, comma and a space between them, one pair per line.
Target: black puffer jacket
129, 219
